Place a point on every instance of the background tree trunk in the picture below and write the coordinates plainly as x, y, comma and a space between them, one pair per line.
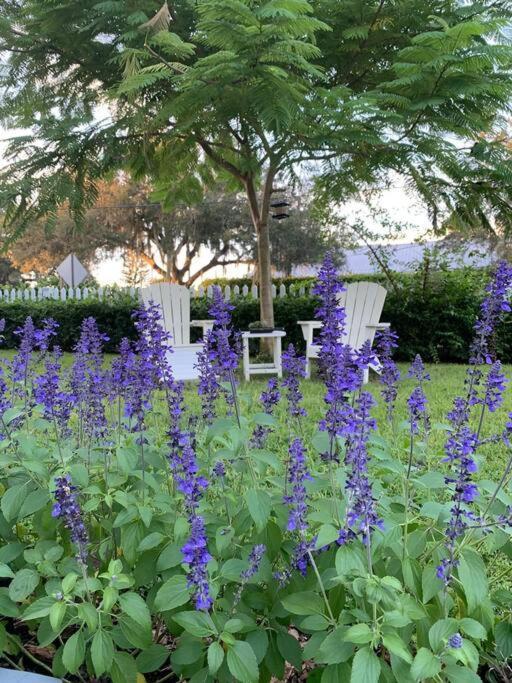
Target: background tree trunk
265, 273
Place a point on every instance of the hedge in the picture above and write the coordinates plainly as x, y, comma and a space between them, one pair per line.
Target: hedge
432, 313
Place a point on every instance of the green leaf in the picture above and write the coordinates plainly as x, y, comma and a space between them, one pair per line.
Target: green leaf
73, 653
124, 669
169, 557
88, 615
242, 662
215, 657
303, 603
460, 674
12, 500
6, 572
473, 578
396, 646
39, 608
151, 541
365, 667
503, 637
430, 584
24, 584
349, 560
135, 607
8, 608
290, 648
327, 534
35, 501
102, 652
198, 624
473, 628
57, 614
334, 649
425, 665
440, 632
173, 593
152, 658
260, 506
134, 633
359, 634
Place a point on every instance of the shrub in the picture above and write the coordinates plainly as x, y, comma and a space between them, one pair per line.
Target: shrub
142, 536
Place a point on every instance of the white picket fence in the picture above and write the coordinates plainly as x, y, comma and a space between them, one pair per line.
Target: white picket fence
108, 293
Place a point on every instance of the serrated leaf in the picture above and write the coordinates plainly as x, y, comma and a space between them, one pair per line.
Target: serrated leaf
260, 506
473, 577
242, 662
73, 653
172, 594
365, 667
425, 665
198, 624
24, 584
303, 603
215, 657
102, 652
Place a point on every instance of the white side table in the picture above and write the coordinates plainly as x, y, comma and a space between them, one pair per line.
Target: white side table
274, 368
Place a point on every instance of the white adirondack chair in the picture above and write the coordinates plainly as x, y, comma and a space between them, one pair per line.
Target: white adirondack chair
363, 302
174, 302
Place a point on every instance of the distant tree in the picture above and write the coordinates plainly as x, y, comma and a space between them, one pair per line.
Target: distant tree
247, 90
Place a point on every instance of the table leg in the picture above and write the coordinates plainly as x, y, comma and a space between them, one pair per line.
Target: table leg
277, 356
245, 343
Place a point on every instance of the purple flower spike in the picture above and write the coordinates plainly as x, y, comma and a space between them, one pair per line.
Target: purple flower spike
67, 508
361, 516
386, 342
196, 555
294, 368
254, 562
268, 399
297, 476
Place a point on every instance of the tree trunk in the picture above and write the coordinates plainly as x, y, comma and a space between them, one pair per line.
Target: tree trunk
265, 273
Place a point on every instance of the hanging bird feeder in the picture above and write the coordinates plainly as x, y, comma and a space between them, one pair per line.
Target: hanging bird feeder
280, 209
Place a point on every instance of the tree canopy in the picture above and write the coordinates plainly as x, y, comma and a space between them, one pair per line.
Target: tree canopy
249, 91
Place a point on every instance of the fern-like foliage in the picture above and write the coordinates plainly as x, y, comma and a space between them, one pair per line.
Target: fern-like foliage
189, 91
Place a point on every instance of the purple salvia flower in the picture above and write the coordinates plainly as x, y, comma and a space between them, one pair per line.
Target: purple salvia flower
153, 344
43, 336
219, 469
208, 386
361, 515
254, 559
455, 641
294, 368
459, 449
417, 370
417, 404
68, 509
196, 556
492, 308
57, 403
386, 342
20, 365
495, 384
88, 383
337, 361
268, 399
5, 404
296, 498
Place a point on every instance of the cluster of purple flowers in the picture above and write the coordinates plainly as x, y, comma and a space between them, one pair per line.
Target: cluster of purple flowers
463, 441
57, 403
386, 342
294, 368
88, 380
361, 516
268, 399
220, 356
68, 509
183, 464
296, 497
31, 339
417, 401
254, 559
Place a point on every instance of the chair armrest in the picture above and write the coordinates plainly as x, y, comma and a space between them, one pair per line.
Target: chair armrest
379, 326
206, 325
307, 329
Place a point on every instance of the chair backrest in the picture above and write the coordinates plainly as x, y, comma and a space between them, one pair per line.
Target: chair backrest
174, 300
363, 302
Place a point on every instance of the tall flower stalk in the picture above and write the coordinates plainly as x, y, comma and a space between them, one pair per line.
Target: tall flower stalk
386, 342
268, 399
